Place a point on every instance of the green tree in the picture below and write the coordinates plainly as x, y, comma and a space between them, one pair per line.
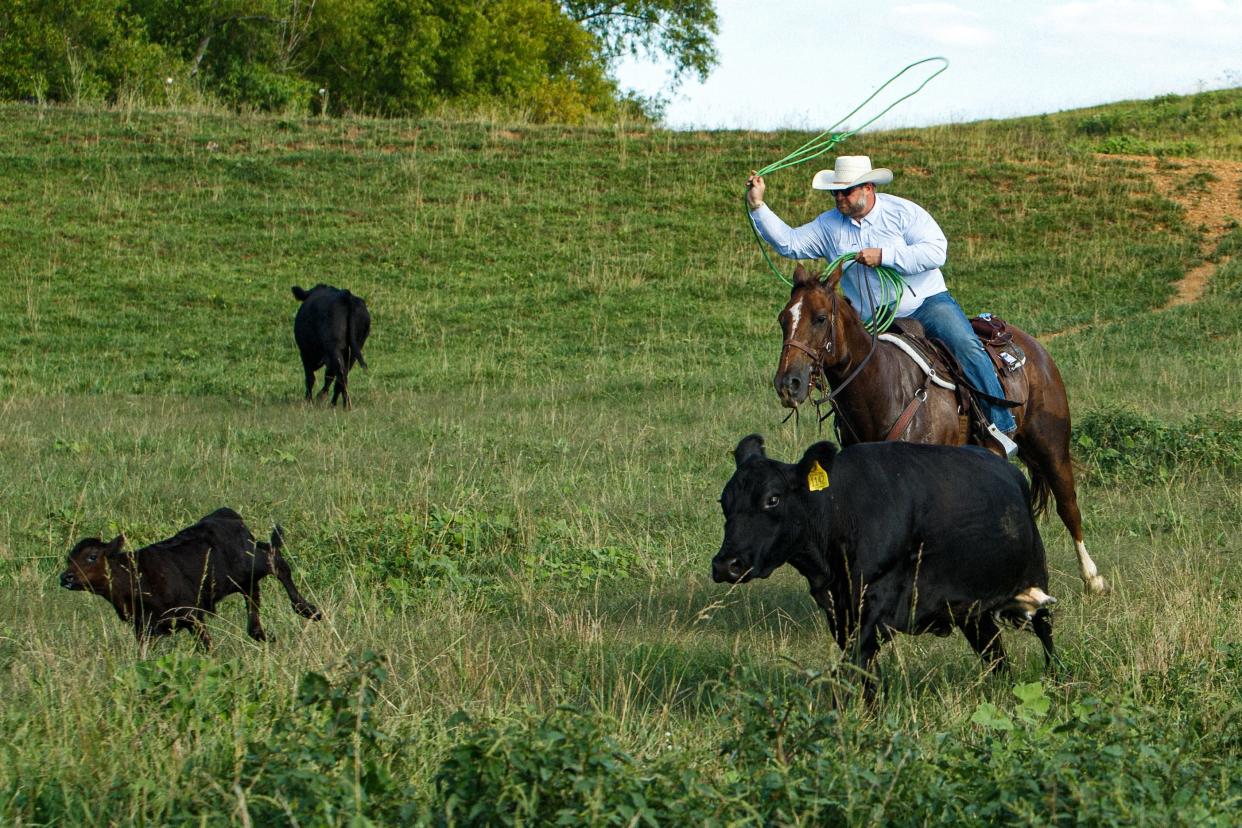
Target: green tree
551, 59
246, 52
74, 50
406, 56
681, 30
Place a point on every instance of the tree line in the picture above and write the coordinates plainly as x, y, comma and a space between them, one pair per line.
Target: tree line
549, 59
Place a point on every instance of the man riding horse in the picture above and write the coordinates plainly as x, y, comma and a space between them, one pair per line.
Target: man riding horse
883, 229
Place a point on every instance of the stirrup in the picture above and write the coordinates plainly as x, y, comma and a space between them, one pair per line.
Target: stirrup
1010, 447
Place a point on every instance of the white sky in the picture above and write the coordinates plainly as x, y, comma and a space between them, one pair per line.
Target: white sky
804, 64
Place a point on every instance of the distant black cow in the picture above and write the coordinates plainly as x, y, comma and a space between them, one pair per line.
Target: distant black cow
331, 327
174, 583
892, 537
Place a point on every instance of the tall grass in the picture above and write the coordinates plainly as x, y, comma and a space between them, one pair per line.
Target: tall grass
571, 330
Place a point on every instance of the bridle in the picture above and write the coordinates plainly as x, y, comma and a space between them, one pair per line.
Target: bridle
818, 377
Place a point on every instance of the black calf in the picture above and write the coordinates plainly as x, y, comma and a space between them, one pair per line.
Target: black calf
176, 582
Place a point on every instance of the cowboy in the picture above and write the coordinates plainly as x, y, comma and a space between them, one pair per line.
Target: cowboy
883, 229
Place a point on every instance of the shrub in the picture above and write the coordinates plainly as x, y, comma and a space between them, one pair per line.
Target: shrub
329, 760
1122, 444
795, 757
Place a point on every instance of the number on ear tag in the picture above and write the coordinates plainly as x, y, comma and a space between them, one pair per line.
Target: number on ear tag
817, 478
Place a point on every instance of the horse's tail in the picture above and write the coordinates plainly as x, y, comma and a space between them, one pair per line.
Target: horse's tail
1041, 491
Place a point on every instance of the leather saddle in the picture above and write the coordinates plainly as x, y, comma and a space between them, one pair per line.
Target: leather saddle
1008, 359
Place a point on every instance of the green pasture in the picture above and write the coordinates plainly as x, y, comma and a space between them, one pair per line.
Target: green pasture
510, 534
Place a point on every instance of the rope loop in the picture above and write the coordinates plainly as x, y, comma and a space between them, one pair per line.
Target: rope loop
825, 141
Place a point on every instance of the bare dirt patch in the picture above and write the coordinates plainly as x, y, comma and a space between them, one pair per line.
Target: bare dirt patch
1211, 194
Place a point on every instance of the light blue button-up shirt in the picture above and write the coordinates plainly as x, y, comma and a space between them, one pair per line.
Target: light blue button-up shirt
911, 241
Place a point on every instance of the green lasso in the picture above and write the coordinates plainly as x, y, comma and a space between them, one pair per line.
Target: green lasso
891, 286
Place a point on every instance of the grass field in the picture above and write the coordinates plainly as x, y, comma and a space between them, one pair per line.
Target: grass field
510, 534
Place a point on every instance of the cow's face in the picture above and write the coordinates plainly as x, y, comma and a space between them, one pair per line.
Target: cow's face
88, 567
762, 519
765, 507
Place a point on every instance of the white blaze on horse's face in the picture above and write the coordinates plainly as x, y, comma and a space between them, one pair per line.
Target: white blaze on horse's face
793, 380
795, 313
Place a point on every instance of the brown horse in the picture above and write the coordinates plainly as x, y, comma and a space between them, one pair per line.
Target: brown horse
879, 393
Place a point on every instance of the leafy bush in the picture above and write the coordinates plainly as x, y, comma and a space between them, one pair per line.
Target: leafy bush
556, 555
560, 769
255, 86
1102, 123
441, 549
80, 51
188, 690
329, 761
1087, 761
1123, 444
795, 758
1132, 145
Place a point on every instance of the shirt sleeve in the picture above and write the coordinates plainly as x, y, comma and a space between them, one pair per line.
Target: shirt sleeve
925, 246
810, 241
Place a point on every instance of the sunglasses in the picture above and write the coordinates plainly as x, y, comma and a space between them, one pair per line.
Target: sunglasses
847, 190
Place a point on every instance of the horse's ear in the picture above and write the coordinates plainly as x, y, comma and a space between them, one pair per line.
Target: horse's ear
803, 276
833, 278
749, 448
815, 467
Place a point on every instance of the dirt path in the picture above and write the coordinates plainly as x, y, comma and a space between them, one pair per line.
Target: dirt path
1211, 207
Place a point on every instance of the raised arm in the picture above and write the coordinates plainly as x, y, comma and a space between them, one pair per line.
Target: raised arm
806, 242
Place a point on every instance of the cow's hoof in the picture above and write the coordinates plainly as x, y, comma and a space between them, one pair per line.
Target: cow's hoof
258, 635
309, 611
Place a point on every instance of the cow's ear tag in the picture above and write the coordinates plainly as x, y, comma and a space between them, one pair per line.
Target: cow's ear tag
817, 478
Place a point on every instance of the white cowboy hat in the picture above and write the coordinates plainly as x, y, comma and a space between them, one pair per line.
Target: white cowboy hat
850, 171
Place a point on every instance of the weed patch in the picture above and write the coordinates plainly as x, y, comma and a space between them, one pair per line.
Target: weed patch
329, 760
1123, 445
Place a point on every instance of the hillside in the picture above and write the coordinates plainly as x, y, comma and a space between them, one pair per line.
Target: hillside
551, 230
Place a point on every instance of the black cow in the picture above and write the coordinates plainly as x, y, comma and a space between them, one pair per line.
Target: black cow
893, 537
331, 327
174, 583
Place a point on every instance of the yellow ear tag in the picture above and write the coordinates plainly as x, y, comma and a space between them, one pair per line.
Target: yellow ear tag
817, 478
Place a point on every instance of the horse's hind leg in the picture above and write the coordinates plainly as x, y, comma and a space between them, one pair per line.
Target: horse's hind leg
1048, 459
1061, 481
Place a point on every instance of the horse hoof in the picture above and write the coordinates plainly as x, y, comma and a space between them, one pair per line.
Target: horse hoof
1096, 585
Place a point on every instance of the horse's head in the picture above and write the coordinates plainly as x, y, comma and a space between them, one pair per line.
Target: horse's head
810, 326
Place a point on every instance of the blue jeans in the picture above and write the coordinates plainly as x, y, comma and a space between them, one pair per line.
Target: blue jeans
943, 319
